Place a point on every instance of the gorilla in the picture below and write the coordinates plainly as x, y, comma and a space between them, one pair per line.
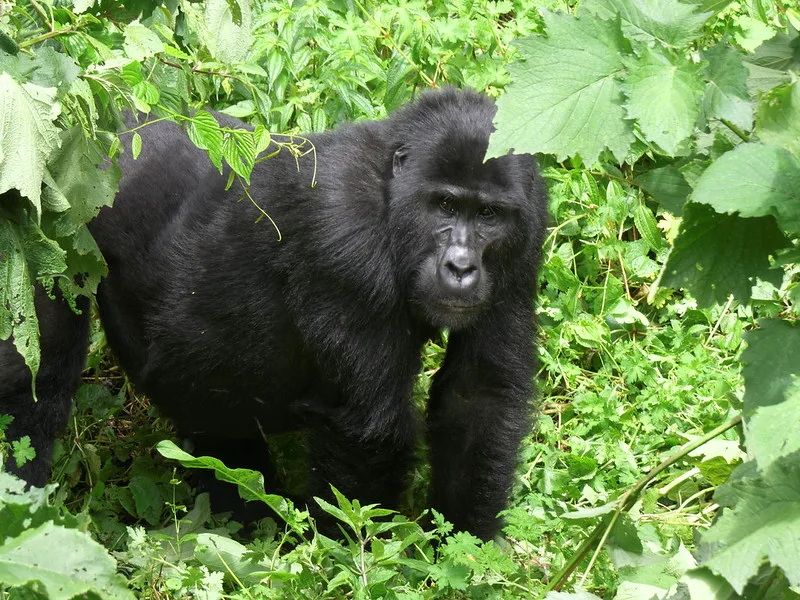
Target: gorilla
390, 232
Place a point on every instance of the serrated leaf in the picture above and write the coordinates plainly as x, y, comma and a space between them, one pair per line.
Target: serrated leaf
565, 98
754, 180
763, 524
66, 562
716, 255
141, 42
670, 22
76, 170
663, 95
667, 186
27, 136
778, 118
25, 252
726, 95
50, 68
230, 37
768, 437
751, 32
771, 363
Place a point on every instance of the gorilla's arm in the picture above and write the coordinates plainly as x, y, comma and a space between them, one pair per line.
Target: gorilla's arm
480, 408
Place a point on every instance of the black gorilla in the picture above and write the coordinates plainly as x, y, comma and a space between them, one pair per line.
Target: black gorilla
234, 334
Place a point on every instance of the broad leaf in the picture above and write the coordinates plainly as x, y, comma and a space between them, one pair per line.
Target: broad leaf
66, 562
663, 95
670, 22
141, 42
716, 255
754, 180
230, 37
778, 118
27, 136
771, 363
25, 252
667, 186
229, 556
764, 524
768, 436
726, 95
77, 175
565, 98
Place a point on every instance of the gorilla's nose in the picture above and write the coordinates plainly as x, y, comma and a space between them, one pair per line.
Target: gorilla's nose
459, 274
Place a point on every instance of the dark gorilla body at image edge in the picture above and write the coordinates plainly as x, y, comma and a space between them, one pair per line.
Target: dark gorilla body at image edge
234, 334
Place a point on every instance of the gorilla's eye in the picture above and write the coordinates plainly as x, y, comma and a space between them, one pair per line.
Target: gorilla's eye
447, 205
487, 211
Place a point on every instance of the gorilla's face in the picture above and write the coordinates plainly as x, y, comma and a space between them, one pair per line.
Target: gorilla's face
460, 225
453, 284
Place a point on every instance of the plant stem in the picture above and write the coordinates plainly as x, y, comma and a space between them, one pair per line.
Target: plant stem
628, 499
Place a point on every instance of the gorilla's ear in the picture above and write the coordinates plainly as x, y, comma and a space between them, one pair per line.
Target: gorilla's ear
399, 158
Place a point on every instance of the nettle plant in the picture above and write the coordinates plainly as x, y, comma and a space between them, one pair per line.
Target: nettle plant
694, 108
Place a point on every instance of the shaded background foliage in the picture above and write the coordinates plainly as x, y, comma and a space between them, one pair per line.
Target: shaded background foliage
668, 134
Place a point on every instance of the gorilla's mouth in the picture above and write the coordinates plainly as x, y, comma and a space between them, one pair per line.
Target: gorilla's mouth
461, 307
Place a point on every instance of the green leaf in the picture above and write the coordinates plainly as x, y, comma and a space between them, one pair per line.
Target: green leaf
778, 118
726, 95
141, 42
25, 252
205, 133
579, 595
136, 145
768, 437
751, 32
717, 255
702, 584
230, 36
27, 136
670, 22
229, 556
754, 180
764, 524
771, 363
7, 44
23, 452
564, 98
663, 96
712, 6
77, 173
249, 483
66, 562
667, 186
646, 225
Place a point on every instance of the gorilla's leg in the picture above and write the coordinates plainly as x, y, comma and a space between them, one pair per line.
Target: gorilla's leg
63, 340
374, 471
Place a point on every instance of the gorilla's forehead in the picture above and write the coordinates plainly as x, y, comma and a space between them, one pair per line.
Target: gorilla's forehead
460, 161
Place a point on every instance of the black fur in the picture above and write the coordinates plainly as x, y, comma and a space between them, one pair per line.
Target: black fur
63, 337
234, 334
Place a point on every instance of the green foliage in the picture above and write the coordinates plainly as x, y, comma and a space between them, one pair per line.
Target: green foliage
673, 126
712, 137
38, 546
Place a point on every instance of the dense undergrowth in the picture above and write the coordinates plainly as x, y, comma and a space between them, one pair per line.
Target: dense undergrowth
640, 438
